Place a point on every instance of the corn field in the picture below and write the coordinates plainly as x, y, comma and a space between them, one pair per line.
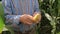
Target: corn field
50, 22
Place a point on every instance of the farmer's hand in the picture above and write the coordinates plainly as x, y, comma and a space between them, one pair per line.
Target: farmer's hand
26, 19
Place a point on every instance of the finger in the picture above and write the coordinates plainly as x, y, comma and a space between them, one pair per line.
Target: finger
26, 21
30, 18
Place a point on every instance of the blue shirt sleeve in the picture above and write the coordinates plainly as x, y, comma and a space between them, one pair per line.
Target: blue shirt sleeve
10, 19
36, 6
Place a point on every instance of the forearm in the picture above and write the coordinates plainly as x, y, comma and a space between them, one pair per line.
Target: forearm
12, 19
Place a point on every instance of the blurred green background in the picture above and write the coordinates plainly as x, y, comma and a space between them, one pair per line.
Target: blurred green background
50, 22
1, 17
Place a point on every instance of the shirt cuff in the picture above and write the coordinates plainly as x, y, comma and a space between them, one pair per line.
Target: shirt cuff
16, 19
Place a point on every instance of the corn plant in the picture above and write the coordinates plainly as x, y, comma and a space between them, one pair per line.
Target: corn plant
50, 16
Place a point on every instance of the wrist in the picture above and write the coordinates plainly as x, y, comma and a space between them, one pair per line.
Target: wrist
20, 19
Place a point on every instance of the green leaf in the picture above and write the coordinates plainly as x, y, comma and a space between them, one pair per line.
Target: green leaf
1, 24
58, 33
48, 16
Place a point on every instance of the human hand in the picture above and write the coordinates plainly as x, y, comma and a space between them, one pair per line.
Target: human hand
26, 19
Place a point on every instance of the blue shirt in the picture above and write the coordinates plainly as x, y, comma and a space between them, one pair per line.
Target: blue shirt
13, 9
